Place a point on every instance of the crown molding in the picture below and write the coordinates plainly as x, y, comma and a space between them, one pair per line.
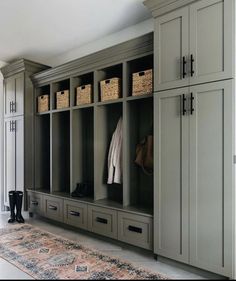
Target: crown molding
98, 60
161, 7
20, 66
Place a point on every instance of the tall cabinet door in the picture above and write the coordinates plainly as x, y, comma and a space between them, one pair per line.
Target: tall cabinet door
171, 175
211, 172
211, 37
18, 106
9, 160
9, 96
14, 96
171, 46
19, 152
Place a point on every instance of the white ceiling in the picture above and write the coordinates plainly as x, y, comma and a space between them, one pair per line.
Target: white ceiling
41, 29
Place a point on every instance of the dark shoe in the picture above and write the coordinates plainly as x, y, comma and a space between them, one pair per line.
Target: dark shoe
12, 202
82, 190
19, 200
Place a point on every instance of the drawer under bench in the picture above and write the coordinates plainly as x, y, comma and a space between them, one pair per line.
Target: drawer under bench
125, 226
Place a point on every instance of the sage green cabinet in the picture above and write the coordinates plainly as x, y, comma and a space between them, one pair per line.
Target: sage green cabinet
14, 95
171, 186
211, 177
194, 176
194, 44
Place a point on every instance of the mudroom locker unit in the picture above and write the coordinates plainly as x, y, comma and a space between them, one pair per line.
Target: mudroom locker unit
185, 210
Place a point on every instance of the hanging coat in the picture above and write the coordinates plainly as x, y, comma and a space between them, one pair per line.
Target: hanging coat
115, 156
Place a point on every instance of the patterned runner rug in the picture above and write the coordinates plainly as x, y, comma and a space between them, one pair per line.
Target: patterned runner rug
43, 255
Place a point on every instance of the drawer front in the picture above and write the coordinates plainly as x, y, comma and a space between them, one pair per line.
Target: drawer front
102, 221
76, 214
53, 208
136, 230
35, 203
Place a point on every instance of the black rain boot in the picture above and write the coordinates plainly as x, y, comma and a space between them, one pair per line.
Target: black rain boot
12, 202
19, 200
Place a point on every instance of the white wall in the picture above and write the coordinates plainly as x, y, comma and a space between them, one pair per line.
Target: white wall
103, 43
1, 138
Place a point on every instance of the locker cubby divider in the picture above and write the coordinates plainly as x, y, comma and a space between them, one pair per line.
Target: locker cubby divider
58, 87
42, 152
107, 117
137, 65
83, 147
61, 152
140, 123
81, 80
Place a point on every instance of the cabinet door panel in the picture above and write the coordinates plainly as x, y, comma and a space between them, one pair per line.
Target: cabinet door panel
171, 176
19, 132
211, 187
19, 102
211, 38
9, 160
9, 96
171, 44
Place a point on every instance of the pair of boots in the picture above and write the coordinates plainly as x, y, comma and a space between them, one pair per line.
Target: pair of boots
15, 200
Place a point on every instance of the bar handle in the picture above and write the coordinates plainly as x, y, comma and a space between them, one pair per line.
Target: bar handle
135, 229
191, 104
192, 69
184, 107
101, 220
53, 208
75, 214
184, 67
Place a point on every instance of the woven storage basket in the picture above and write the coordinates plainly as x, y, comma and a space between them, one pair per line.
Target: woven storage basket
62, 99
110, 89
43, 103
84, 94
142, 83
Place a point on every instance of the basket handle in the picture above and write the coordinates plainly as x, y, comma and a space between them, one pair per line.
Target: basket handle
83, 87
142, 73
107, 81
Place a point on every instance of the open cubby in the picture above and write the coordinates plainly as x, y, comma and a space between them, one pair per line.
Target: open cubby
42, 152
138, 65
107, 119
108, 73
83, 147
44, 90
58, 87
140, 123
82, 80
61, 152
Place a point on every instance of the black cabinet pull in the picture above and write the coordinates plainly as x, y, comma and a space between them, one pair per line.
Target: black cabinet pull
54, 208
184, 108
192, 61
101, 220
14, 107
11, 107
35, 203
184, 67
76, 214
191, 104
135, 229
13, 126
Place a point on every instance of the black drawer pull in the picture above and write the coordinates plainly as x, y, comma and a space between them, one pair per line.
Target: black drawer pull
76, 214
101, 220
135, 229
35, 203
53, 208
